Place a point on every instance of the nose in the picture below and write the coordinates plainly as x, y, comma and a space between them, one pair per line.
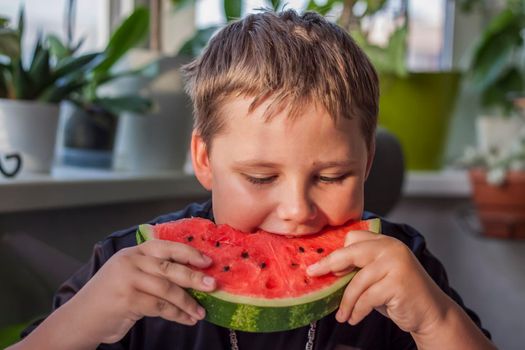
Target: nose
296, 206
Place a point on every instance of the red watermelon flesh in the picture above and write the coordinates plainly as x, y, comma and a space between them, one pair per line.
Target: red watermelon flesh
259, 264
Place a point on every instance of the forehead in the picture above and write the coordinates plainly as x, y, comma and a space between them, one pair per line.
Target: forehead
312, 131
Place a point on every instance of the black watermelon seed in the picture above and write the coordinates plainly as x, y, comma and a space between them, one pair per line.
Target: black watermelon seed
306, 281
301, 249
190, 238
294, 265
263, 265
320, 250
217, 244
245, 255
226, 268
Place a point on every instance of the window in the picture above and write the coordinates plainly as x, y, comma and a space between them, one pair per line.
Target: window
429, 40
49, 17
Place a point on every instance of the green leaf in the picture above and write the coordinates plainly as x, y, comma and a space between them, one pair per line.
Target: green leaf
9, 43
57, 48
232, 9
495, 49
40, 71
130, 33
498, 94
73, 64
117, 105
21, 81
21, 24
321, 9
276, 5
194, 46
61, 90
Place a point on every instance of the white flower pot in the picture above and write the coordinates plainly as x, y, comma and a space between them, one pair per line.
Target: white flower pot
30, 128
159, 140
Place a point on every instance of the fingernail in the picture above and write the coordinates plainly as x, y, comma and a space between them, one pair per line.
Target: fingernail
192, 320
312, 268
206, 259
201, 312
209, 281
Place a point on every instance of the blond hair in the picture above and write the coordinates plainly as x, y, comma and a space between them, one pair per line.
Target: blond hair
290, 58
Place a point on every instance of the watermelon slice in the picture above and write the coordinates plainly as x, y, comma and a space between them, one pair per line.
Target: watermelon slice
261, 277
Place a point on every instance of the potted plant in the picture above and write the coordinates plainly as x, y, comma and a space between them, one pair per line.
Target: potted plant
497, 164
498, 185
415, 106
30, 93
89, 117
496, 72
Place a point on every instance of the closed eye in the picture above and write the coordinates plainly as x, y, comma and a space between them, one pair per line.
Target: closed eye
333, 179
260, 180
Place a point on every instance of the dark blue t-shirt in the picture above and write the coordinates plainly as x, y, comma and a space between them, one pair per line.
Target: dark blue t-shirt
374, 332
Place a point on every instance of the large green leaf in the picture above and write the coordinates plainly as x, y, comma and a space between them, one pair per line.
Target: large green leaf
128, 35
232, 9
494, 51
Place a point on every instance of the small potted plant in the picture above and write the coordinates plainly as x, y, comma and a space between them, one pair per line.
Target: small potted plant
30, 93
498, 184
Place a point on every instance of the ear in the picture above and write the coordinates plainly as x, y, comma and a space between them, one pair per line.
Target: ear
370, 157
201, 161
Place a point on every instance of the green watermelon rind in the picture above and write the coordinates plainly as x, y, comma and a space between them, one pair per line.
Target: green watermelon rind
251, 314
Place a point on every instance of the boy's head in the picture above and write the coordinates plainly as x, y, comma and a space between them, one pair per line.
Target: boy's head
283, 100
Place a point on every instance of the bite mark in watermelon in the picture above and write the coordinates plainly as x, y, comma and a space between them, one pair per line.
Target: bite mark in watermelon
261, 277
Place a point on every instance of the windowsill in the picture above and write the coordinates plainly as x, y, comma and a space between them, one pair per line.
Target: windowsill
444, 183
69, 187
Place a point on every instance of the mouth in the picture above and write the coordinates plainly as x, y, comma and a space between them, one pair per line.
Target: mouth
295, 234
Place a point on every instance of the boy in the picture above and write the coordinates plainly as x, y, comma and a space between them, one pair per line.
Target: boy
285, 115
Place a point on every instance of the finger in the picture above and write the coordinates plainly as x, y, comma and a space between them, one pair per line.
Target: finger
176, 273
372, 298
361, 282
152, 306
175, 251
358, 254
359, 236
164, 289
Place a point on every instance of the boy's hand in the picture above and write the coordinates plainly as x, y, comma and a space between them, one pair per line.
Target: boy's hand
390, 280
146, 280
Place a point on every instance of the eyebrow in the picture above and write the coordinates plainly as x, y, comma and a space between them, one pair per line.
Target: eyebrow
262, 164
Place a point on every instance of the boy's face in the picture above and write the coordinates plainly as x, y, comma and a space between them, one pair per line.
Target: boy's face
284, 176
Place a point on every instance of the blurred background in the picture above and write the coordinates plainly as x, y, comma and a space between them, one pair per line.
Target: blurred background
95, 125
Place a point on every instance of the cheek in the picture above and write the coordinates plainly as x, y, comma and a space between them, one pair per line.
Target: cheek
343, 204
238, 204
